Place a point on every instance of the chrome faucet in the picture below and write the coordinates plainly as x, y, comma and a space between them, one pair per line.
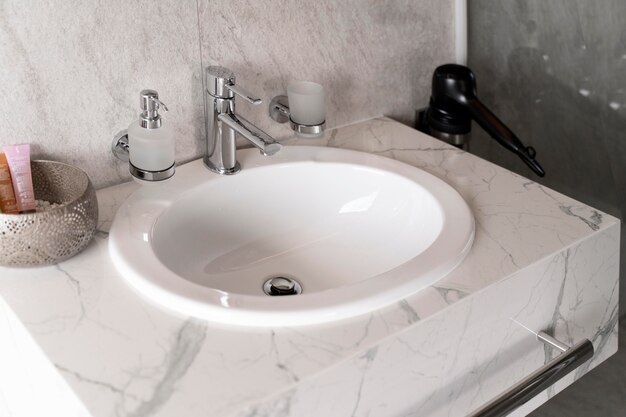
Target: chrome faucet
222, 123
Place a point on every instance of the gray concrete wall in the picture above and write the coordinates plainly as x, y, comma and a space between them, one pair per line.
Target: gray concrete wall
555, 72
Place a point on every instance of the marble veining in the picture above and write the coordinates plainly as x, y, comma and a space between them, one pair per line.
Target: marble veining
403, 375
179, 358
123, 356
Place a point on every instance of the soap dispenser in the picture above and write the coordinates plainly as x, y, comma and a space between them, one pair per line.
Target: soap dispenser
151, 141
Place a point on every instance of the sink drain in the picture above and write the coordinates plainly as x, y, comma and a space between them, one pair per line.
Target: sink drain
282, 286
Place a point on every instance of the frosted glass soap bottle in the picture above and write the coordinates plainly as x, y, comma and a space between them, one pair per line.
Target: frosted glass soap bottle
151, 139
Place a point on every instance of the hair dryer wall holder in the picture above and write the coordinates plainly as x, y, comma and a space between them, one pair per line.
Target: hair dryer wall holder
454, 104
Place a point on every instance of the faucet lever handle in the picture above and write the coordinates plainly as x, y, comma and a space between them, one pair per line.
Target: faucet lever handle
245, 94
220, 83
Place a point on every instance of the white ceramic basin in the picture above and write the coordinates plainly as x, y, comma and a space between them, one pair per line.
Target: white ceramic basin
357, 231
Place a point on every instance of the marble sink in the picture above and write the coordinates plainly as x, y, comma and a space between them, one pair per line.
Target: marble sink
354, 231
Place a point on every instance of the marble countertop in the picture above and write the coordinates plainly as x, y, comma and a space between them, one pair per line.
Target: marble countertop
120, 355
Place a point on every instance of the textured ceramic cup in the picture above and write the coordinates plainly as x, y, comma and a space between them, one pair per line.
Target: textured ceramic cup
59, 232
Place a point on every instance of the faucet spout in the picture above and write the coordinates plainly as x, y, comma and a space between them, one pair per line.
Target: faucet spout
266, 144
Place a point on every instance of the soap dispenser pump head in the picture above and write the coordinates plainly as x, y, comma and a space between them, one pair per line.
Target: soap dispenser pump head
150, 104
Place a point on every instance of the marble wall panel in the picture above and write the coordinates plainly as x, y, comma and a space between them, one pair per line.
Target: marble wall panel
554, 71
71, 72
373, 57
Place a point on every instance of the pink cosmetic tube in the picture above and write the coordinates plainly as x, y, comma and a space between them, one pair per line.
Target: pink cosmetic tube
18, 157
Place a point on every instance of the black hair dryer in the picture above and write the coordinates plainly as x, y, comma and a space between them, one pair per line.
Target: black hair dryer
453, 105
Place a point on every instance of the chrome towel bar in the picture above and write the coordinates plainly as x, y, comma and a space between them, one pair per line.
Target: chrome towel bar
522, 392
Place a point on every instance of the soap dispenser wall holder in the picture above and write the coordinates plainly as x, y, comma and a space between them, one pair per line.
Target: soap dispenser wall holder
150, 119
